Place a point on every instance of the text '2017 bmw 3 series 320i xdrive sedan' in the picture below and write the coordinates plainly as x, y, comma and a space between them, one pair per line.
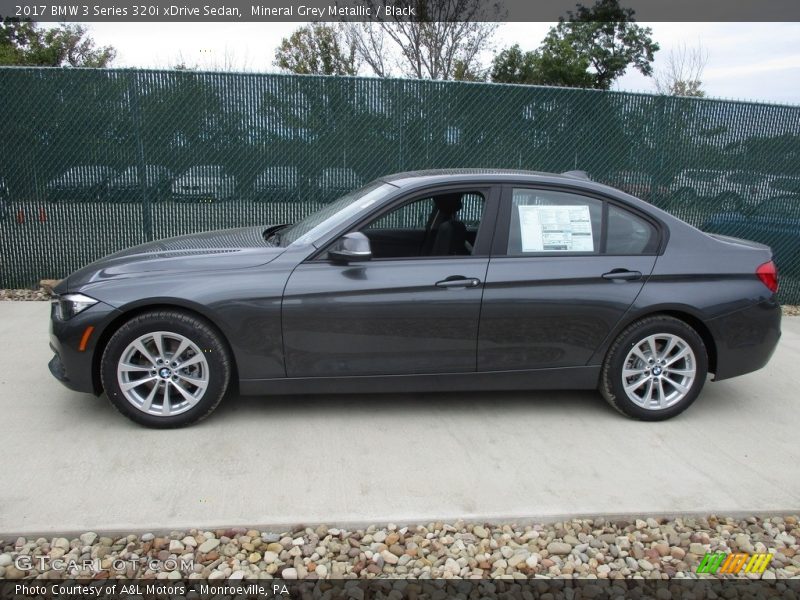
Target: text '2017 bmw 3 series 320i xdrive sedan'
424, 281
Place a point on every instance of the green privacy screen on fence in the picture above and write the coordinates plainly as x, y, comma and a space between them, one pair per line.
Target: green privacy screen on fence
92, 161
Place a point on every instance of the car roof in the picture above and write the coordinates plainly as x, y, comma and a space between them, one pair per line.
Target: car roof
434, 176
411, 180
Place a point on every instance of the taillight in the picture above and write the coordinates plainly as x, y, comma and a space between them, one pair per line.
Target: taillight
768, 274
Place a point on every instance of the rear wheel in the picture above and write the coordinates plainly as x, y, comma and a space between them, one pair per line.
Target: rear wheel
655, 369
165, 369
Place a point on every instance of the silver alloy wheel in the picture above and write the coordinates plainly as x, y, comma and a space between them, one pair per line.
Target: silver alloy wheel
659, 371
163, 373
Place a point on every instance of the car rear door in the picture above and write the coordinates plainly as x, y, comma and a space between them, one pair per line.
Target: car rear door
560, 278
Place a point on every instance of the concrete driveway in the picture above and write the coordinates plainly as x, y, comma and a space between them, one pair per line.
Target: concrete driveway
71, 462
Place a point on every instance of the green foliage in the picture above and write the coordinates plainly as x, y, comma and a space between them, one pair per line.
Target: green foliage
591, 48
689, 89
512, 65
317, 50
24, 43
464, 71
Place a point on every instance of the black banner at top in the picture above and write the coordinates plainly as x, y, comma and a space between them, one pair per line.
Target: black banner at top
377, 10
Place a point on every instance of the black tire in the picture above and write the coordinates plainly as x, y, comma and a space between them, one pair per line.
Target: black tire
198, 331
611, 379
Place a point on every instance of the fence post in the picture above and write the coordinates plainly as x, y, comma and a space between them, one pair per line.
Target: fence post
141, 170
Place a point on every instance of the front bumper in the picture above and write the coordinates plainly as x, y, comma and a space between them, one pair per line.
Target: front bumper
70, 365
746, 339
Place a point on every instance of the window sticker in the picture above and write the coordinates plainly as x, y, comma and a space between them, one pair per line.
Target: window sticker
556, 228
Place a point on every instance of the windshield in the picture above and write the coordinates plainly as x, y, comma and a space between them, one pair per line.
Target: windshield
321, 222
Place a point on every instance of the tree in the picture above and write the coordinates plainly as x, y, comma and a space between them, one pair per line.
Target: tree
369, 42
463, 71
564, 67
512, 65
590, 48
683, 72
24, 43
317, 49
443, 40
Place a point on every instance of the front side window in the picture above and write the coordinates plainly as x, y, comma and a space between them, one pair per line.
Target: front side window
410, 216
545, 221
444, 224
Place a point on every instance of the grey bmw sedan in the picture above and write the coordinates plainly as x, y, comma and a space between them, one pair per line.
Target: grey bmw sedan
424, 281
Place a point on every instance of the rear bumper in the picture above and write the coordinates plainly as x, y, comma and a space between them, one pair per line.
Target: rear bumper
746, 339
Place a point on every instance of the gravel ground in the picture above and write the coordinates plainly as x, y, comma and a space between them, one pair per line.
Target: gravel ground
599, 548
24, 295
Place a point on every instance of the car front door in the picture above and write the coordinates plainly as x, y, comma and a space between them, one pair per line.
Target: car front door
414, 308
565, 268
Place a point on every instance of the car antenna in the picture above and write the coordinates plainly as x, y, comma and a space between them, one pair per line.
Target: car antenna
577, 175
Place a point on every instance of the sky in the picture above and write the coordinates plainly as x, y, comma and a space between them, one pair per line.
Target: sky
746, 61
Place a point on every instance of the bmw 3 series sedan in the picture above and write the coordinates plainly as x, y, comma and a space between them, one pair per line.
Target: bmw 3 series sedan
424, 281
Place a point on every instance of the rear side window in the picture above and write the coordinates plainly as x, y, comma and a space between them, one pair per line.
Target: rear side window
629, 233
549, 221
555, 222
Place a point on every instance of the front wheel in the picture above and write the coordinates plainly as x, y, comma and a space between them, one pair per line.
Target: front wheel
165, 369
655, 369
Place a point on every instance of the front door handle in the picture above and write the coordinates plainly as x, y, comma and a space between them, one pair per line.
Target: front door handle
458, 281
622, 275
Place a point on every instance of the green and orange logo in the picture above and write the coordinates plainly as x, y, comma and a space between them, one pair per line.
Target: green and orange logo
734, 563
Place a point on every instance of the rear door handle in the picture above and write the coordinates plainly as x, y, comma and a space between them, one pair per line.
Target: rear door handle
458, 281
622, 275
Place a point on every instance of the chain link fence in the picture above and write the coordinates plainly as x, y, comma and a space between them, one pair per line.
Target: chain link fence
93, 161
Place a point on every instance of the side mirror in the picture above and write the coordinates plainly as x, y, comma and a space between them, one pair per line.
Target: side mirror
351, 247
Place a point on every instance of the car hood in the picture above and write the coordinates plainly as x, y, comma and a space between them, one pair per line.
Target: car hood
210, 251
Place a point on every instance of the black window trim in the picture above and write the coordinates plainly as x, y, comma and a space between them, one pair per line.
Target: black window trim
483, 241
500, 245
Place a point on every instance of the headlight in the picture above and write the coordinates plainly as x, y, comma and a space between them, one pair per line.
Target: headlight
69, 305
